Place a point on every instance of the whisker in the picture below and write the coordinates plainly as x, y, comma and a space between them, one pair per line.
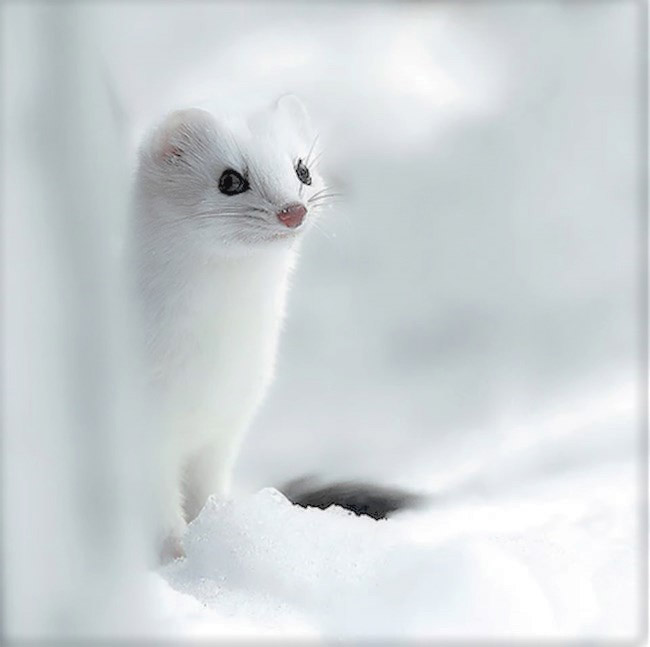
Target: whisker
317, 158
231, 215
323, 190
325, 233
322, 205
311, 150
214, 213
329, 196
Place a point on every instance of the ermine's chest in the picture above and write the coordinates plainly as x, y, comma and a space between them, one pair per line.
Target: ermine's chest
213, 350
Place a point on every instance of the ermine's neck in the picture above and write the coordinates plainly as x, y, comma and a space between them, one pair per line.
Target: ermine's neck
251, 283
237, 277
180, 283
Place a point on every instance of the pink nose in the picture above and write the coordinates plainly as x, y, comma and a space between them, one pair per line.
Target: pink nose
292, 215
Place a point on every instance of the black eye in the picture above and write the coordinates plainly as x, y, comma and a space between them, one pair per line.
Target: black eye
232, 183
303, 172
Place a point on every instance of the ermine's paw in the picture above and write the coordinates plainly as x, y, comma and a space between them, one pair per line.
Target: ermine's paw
171, 549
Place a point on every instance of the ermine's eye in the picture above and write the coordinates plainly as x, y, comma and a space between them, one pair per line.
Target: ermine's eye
232, 183
303, 172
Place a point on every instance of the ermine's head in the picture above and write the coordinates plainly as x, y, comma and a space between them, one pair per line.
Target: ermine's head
234, 185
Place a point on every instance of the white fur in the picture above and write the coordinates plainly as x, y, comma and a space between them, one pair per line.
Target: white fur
211, 281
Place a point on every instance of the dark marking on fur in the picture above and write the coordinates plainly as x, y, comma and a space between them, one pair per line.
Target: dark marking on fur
375, 501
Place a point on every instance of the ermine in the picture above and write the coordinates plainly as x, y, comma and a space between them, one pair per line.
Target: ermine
220, 208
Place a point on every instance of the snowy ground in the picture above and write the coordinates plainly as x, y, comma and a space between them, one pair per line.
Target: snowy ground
518, 566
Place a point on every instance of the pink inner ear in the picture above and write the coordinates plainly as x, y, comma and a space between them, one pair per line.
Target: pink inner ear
171, 151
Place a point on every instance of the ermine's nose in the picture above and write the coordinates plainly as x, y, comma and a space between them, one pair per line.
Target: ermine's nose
292, 215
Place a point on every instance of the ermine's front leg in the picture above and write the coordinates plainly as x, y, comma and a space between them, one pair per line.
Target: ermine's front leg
208, 472
172, 520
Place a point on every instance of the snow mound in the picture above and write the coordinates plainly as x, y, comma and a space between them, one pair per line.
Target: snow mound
263, 566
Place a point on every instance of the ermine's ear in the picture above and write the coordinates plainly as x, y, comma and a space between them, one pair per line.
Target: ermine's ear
292, 110
182, 132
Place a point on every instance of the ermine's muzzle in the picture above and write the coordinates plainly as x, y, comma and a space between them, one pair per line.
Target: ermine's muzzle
292, 215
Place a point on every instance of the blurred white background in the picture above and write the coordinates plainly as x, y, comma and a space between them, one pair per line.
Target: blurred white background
468, 318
